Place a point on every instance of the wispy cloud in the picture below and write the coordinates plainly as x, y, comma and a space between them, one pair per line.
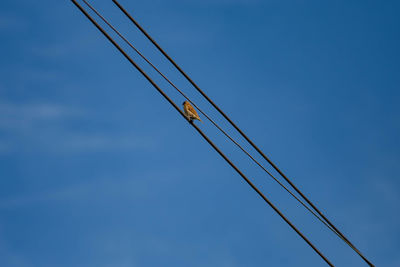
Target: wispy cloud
110, 187
89, 142
387, 189
11, 22
116, 248
62, 49
228, 2
220, 2
9, 257
4, 146
39, 111
45, 127
17, 116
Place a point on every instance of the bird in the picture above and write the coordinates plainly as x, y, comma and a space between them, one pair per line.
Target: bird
190, 112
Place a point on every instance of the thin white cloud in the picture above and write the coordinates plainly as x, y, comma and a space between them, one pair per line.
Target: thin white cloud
15, 116
137, 186
116, 248
41, 109
74, 193
219, 2
42, 127
36, 111
4, 147
61, 49
386, 189
228, 2
11, 22
88, 142
10, 258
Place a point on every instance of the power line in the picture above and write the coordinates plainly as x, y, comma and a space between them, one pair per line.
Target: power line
241, 132
201, 133
212, 121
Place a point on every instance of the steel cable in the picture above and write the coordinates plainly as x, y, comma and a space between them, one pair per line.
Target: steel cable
240, 131
205, 115
200, 132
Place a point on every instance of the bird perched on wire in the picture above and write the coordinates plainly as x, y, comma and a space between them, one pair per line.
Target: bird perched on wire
190, 112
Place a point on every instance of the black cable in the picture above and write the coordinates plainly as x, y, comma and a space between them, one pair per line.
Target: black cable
215, 124
201, 133
241, 132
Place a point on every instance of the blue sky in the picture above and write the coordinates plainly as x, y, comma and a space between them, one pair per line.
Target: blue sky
96, 169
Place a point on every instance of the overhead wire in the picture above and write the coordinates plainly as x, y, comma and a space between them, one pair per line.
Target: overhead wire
200, 132
241, 132
205, 115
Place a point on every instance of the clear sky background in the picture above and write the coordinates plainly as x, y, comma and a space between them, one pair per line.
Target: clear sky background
96, 169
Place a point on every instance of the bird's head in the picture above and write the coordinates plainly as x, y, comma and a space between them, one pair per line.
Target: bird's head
184, 102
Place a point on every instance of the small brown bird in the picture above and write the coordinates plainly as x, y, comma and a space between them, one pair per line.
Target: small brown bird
190, 112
